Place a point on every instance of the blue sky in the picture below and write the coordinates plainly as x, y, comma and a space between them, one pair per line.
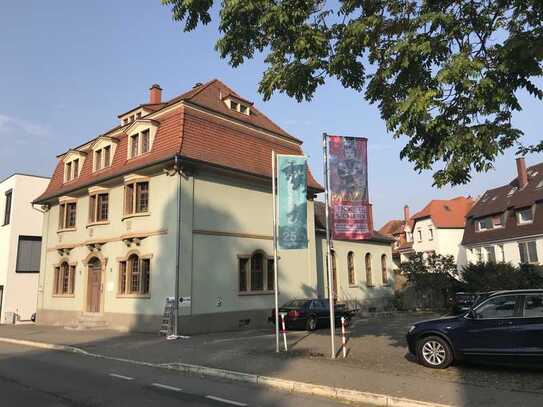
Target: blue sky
69, 68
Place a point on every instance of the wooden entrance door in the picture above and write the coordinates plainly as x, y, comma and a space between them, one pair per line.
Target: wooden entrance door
94, 285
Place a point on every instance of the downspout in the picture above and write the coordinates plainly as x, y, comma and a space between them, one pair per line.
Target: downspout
177, 167
45, 238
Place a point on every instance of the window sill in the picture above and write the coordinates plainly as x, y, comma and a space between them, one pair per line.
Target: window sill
66, 230
354, 286
97, 224
525, 223
63, 295
370, 286
103, 169
139, 156
143, 296
136, 215
250, 293
70, 181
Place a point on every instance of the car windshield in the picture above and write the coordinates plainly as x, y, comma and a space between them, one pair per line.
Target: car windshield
295, 304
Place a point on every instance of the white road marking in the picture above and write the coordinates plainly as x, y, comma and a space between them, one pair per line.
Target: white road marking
165, 386
118, 376
241, 338
235, 403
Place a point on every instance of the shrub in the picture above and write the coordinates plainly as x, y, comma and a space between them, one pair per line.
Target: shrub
434, 279
501, 276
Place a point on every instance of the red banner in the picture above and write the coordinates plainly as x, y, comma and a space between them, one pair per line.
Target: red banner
350, 209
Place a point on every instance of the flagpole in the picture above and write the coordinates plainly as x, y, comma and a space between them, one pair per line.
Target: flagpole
329, 248
275, 275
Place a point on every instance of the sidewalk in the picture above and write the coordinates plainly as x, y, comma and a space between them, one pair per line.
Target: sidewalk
307, 361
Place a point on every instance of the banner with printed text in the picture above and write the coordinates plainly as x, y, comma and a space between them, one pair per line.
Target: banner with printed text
348, 190
292, 202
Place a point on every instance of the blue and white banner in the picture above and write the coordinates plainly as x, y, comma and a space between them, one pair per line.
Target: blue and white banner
292, 202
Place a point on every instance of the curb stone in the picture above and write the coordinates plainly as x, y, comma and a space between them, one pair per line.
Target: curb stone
281, 384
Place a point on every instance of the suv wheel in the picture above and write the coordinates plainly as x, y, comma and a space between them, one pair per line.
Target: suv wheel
434, 352
311, 324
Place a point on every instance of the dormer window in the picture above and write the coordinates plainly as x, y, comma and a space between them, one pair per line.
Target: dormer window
525, 216
71, 170
73, 162
107, 156
140, 143
237, 104
141, 136
145, 140
134, 145
103, 151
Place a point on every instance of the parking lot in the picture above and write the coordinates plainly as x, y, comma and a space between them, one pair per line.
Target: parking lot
378, 344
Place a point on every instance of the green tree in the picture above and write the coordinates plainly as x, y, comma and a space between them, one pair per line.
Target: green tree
434, 276
444, 73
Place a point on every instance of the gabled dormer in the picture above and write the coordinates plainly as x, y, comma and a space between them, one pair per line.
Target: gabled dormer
103, 151
73, 162
155, 102
141, 137
237, 104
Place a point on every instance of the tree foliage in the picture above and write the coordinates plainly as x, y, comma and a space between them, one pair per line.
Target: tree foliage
501, 276
444, 73
434, 271
434, 278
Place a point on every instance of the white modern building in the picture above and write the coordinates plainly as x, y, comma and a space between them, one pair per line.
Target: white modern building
20, 246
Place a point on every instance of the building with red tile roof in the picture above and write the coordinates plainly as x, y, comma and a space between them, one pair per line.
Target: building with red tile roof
179, 190
437, 228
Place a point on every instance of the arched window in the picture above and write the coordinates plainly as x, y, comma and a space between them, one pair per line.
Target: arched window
64, 279
369, 280
255, 272
350, 268
384, 269
134, 276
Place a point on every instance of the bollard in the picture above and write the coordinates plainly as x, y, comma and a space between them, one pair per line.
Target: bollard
343, 339
284, 329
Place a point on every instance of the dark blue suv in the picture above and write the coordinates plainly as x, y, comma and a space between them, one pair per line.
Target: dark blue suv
501, 325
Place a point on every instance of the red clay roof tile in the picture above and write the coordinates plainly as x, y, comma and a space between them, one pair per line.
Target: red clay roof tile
209, 136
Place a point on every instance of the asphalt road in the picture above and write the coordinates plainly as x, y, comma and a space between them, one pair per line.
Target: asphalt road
33, 377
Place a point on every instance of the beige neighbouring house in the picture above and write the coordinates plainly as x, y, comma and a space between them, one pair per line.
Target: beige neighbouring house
363, 271
20, 245
182, 186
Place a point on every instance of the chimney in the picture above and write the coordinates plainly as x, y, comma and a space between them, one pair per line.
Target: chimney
155, 94
406, 214
522, 174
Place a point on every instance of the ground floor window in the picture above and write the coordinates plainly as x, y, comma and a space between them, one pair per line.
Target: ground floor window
369, 277
134, 276
384, 269
256, 273
64, 282
350, 269
490, 254
528, 252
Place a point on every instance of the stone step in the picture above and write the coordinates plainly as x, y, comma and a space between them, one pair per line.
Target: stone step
90, 317
88, 322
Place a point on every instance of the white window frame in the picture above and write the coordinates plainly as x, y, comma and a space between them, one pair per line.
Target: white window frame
530, 260
520, 221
